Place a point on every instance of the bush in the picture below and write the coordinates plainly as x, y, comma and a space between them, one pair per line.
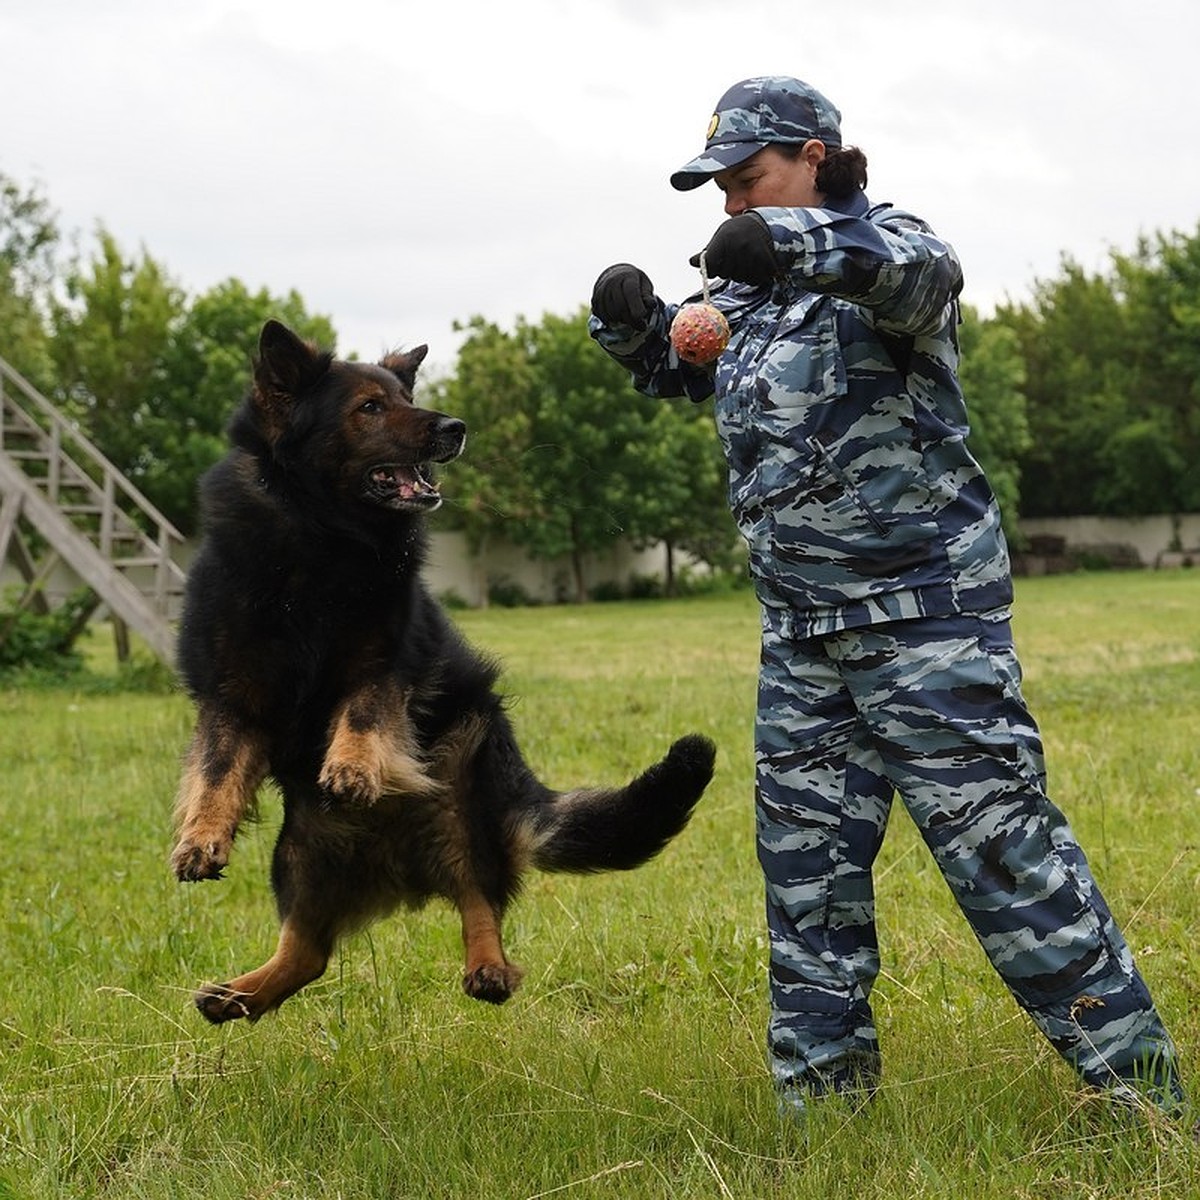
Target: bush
712, 583
44, 642
607, 592
645, 587
147, 676
504, 592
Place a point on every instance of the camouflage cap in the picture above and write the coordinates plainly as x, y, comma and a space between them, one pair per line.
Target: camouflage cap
754, 114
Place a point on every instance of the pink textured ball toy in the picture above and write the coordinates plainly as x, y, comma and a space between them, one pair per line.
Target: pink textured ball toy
699, 333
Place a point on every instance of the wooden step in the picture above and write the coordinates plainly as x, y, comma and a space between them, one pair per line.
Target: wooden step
147, 560
89, 515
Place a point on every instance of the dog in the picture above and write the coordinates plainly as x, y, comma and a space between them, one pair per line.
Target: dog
315, 655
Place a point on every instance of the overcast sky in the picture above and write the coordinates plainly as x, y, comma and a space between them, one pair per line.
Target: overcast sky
408, 165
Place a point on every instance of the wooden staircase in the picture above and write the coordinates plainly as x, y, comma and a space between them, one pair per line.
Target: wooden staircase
63, 503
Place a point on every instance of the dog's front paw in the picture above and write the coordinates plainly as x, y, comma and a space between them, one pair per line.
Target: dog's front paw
350, 782
193, 860
492, 982
219, 1003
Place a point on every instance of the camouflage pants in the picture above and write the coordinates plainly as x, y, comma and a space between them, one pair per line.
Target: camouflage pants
930, 709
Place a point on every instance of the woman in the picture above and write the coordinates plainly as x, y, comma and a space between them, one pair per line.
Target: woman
887, 654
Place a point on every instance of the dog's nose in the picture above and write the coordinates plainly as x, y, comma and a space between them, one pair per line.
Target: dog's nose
451, 436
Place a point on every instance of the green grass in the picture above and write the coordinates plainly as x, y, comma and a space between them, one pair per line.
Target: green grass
631, 1063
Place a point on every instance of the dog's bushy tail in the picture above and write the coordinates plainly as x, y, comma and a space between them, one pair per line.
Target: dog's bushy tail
618, 829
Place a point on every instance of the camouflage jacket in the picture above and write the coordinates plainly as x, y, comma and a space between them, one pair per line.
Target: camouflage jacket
843, 423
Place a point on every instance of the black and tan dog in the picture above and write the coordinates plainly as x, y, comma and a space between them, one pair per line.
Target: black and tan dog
316, 656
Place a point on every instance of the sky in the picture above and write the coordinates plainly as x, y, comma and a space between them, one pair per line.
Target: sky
407, 166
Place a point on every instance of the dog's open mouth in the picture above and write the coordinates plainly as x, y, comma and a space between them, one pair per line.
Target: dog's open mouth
401, 485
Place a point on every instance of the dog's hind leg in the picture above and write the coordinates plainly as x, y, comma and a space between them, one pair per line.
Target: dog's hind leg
488, 974
322, 887
479, 871
225, 765
298, 960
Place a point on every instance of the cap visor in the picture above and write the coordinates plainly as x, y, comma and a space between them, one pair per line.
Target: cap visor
714, 160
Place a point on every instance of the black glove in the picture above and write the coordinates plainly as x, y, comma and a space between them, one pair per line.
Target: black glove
742, 249
623, 295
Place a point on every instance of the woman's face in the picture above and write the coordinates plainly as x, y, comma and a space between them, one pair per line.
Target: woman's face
770, 179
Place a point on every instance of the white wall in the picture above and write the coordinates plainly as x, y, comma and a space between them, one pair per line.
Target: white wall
1149, 536
451, 569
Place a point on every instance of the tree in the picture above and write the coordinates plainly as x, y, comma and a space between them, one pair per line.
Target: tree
565, 458
205, 371
492, 389
993, 377
29, 238
110, 339
1073, 340
1160, 284
687, 509
1113, 364
1140, 467
150, 375
153, 378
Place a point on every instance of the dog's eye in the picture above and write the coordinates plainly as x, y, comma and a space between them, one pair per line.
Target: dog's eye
370, 406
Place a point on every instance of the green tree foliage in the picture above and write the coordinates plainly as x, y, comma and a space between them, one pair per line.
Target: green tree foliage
154, 377
150, 374
686, 506
1160, 283
205, 372
493, 390
29, 238
1113, 384
111, 335
565, 458
1084, 400
993, 379
43, 643
1072, 339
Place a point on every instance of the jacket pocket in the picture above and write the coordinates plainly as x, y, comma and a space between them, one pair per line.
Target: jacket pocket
824, 461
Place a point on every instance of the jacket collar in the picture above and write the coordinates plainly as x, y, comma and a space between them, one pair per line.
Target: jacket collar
854, 205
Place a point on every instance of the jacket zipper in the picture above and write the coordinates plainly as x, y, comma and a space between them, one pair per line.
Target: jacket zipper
823, 456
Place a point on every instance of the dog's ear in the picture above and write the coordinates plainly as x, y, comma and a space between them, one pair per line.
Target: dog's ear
285, 368
404, 366
287, 363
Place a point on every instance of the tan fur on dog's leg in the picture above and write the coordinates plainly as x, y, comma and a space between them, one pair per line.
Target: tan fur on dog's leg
488, 974
372, 750
297, 961
220, 781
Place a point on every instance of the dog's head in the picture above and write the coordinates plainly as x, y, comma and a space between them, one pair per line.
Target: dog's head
350, 428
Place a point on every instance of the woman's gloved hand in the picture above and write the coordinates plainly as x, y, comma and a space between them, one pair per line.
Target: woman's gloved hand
623, 295
741, 249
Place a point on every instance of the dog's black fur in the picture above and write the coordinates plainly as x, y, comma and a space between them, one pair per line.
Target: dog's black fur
316, 656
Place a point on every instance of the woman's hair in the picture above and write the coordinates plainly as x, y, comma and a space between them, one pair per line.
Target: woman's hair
842, 172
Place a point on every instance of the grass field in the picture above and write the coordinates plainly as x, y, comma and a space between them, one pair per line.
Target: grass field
631, 1064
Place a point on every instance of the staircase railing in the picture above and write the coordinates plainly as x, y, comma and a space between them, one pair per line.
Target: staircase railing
88, 511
